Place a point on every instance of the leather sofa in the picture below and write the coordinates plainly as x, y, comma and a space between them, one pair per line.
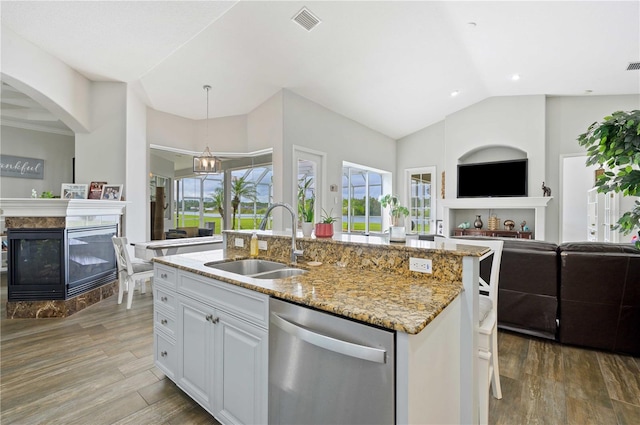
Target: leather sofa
600, 296
579, 293
188, 232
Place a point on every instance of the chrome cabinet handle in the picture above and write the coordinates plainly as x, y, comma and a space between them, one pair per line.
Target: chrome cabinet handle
163, 275
163, 299
211, 319
163, 321
163, 354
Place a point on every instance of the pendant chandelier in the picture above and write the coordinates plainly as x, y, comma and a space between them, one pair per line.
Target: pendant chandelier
206, 162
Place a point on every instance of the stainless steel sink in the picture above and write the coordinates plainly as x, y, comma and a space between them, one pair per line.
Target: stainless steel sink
247, 267
280, 274
258, 269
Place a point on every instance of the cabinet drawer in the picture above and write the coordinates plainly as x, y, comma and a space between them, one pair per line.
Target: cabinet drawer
244, 303
165, 299
166, 355
165, 322
164, 275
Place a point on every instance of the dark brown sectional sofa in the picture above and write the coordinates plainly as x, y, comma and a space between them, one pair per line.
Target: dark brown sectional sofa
580, 293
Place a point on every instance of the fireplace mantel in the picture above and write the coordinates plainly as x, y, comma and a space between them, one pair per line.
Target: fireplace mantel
538, 204
43, 207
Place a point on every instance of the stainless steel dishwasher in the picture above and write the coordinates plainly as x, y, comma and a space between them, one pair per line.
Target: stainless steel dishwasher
325, 369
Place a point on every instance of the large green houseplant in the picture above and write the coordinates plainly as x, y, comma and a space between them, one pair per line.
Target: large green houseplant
615, 144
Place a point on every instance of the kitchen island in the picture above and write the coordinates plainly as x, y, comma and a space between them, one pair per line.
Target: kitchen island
366, 279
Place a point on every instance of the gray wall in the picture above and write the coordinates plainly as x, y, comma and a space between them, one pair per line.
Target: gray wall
56, 150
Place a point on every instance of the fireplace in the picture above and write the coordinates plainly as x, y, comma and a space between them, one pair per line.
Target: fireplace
58, 264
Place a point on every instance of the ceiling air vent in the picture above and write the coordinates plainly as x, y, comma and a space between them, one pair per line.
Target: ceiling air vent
306, 19
633, 66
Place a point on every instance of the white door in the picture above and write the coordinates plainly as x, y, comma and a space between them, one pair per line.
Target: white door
421, 185
310, 164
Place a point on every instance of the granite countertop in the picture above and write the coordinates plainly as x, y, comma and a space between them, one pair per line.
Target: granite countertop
405, 302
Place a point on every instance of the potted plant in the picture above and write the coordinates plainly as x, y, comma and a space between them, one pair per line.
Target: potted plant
306, 205
396, 213
614, 144
324, 229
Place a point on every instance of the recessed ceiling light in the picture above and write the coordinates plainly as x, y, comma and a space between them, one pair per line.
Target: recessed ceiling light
472, 24
515, 77
455, 93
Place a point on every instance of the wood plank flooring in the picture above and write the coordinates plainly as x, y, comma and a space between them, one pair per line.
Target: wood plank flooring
96, 367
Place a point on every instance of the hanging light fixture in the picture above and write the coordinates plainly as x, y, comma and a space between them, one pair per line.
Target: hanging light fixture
206, 163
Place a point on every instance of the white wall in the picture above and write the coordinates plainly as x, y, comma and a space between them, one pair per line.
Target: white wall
169, 130
577, 180
46, 79
566, 118
56, 150
311, 125
545, 128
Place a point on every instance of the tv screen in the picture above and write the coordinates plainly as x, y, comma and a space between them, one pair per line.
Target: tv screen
492, 179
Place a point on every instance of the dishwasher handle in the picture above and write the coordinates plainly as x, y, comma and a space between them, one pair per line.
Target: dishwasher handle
328, 343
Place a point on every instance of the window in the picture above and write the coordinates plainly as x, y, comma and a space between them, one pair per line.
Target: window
254, 188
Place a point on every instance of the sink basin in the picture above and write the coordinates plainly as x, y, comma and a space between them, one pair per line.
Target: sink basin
258, 269
247, 267
280, 274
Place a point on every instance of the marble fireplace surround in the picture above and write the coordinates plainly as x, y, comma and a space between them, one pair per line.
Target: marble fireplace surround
40, 213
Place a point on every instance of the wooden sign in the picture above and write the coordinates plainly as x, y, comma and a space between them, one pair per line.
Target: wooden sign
22, 168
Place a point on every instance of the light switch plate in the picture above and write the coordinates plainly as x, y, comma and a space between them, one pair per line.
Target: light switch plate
262, 245
239, 242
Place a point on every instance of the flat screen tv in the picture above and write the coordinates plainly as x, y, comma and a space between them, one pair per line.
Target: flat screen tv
493, 179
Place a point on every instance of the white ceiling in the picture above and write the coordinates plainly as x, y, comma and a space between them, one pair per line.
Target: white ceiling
389, 65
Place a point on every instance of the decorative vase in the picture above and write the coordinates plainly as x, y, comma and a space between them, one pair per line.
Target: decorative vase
478, 223
324, 230
307, 229
397, 234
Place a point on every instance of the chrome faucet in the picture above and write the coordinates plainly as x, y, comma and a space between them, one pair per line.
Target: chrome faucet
295, 253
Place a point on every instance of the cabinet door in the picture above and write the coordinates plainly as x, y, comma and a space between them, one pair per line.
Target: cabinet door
195, 338
241, 363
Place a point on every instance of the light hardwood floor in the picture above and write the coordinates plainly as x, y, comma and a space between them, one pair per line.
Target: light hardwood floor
96, 367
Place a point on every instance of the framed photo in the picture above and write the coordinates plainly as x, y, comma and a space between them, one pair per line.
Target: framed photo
95, 190
74, 191
439, 228
111, 192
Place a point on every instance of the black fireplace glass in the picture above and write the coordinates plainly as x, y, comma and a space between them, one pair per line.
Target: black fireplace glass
36, 265
91, 257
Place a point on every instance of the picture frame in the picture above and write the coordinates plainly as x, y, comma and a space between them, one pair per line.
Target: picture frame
111, 192
74, 191
95, 190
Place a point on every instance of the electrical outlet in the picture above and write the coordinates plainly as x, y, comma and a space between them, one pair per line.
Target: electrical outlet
421, 265
239, 242
262, 245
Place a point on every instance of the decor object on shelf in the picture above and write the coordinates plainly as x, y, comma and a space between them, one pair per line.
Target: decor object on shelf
73, 191
111, 192
478, 223
464, 225
523, 224
494, 222
34, 194
324, 229
95, 190
509, 224
546, 191
206, 162
613, 144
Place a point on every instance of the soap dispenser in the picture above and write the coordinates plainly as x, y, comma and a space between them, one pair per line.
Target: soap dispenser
253, 247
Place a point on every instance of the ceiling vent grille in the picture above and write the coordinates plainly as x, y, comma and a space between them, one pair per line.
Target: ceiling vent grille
633, 66
306, 19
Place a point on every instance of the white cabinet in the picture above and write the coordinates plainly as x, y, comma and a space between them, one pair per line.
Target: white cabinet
602, 216
221, 341
164, 320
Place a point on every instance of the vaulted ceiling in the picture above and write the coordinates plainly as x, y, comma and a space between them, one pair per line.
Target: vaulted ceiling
390, 65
